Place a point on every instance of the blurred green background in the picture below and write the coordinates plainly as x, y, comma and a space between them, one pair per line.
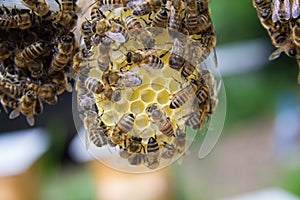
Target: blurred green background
230, 170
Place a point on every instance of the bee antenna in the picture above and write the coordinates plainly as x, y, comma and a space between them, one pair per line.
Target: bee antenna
101, 13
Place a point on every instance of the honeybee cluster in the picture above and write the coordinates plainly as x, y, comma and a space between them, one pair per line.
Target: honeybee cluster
141, 76
282, 21
36, 55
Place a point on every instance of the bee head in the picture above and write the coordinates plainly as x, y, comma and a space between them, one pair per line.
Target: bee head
129, 57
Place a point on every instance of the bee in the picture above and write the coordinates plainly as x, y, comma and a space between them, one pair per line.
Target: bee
136, 158
280, 37
108, 4
144, 37
182, 96
11, 89
152, 156
111, 94
175, 16
64, 21
196, 21
117, 32
98, 133
133, 23
81, 58
60, 80
124, 79
103, 58
86, 101
66, 44
281, 10
86, 32
94, 85
209, 80
296, 32
264, 12
161, 121
126, 122
103, 61
47, 93
201, 89
30, 53
8, 101
135, 145
97, 136
143, 7
35, 65
160, 19
40, 7
129, 79
59, 62
6, 49
96, 14
207, 41
197, 119
187, 70
24, 21
176, 59
180, 140
7, 19
177, 146
27, 106
124, 125
101, 27
169, 151
145, 59
124, 153
68, 5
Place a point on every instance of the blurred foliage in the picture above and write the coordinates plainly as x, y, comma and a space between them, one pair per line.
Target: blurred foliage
72, 183
57, 132
291, 181
254, 94
235, 20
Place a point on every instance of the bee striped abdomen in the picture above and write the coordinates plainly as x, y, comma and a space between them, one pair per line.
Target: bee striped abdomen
152, 145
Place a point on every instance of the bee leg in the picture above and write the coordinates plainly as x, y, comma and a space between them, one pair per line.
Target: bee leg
59, 5
165, 53
4, 108
149, 19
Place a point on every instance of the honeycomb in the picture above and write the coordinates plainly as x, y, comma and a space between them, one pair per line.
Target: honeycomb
135, 119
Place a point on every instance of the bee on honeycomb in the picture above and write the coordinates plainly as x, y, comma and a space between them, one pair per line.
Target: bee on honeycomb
146, 80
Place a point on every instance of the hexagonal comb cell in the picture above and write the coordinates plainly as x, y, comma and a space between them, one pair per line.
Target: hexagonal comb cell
148, 95
137, 107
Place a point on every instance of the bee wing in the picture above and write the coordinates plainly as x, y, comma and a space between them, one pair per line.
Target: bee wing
132, 3
14, 114
275, 54
287, 9
87, 141
69, 87
118, 37
281, 10
30, 120
296, 8
276, 7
